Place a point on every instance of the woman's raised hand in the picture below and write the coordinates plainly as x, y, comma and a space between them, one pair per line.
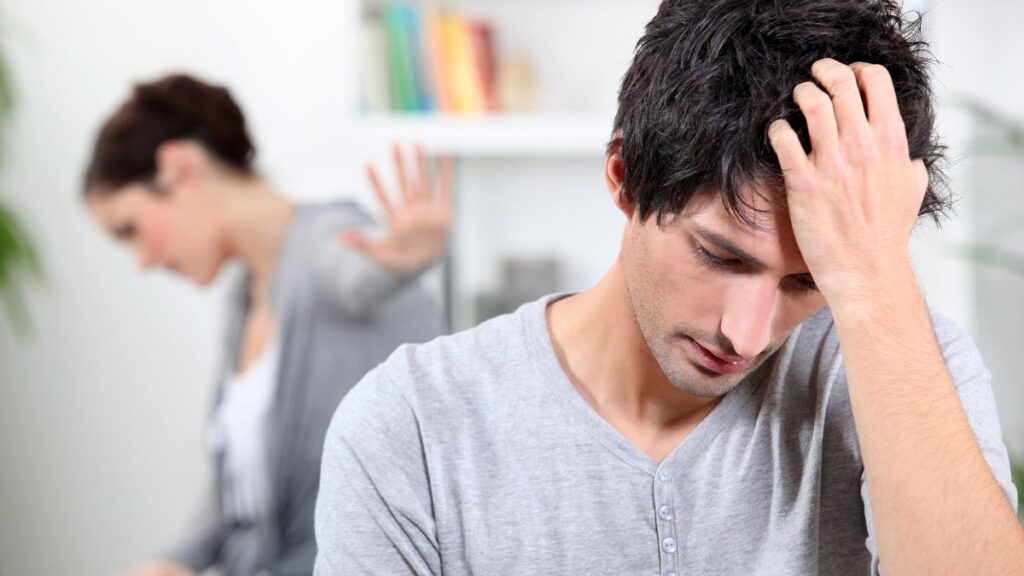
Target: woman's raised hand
418, 219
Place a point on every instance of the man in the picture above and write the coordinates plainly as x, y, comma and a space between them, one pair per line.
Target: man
755, 387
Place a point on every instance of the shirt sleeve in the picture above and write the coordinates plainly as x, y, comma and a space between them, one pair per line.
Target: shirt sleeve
973, 384
374, 512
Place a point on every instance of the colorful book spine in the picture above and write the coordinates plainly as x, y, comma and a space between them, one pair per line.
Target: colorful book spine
465, 79
373, 67
481, 38
419, 74
402, 81
438, 59
435, 61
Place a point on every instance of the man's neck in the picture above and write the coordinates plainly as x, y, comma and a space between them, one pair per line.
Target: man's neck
604, 354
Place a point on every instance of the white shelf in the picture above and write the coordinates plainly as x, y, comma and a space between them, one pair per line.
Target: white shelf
491, 136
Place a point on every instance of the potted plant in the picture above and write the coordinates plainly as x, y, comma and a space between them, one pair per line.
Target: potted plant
19, 260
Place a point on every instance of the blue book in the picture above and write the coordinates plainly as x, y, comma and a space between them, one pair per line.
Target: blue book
421, 81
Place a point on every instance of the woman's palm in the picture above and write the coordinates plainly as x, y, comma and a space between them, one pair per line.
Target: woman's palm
417, 225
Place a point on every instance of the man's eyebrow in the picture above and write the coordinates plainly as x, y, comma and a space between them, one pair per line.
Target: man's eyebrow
724, 244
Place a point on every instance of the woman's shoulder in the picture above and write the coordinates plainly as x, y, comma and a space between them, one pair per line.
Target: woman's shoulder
314, 234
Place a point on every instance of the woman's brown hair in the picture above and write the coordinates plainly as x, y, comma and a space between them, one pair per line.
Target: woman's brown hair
175, 107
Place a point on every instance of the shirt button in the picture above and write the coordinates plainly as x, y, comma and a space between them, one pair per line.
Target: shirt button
664, 476
668, 545
665, 513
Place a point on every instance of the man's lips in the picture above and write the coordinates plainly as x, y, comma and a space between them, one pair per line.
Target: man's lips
718, 364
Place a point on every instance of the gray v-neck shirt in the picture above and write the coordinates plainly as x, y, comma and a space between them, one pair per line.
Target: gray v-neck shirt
474, 454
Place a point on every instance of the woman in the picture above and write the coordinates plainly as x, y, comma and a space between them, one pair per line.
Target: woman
318, 306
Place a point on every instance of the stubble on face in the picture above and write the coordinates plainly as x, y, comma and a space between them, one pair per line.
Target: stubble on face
666, 344
669, 338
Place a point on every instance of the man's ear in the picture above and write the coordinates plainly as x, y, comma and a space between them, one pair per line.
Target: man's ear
179, 163
615, 176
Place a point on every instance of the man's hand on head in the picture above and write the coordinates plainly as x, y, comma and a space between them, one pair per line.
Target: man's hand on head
854, 199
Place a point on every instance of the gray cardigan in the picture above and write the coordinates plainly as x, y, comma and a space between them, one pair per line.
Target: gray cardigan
338, 315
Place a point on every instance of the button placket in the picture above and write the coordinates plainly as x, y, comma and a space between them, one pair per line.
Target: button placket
664, 516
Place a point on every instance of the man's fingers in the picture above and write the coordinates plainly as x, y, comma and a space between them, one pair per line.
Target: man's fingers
840, 83
378, 190
792, 158
880, 102
816, 107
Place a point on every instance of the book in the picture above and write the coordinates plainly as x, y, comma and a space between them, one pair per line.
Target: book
467, 91
373, 67
481, 39
419, 74
438, 60
400, 62
432, 60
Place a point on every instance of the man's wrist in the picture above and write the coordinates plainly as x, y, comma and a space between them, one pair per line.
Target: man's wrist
876, 294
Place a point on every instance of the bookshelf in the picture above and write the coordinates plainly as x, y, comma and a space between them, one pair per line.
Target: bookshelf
528, 183
492, 136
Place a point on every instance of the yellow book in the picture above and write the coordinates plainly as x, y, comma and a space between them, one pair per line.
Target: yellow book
438, 60
466, 91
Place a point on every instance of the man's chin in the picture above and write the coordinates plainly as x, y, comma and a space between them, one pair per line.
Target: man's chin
691, 378
707, 389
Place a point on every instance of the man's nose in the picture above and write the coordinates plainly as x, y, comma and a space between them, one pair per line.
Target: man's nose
747, 319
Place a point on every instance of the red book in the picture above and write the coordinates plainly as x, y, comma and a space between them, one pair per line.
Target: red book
482, 43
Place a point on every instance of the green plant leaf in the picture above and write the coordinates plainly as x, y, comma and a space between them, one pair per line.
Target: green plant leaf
989, 256
19, 262
1017, 474
1009, 133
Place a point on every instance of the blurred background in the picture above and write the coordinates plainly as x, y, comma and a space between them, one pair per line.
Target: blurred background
106, 374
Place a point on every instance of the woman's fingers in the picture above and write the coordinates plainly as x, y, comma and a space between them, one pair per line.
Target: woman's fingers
416, 187
379, 191
356, 240
445, 180
404, 185
423, 188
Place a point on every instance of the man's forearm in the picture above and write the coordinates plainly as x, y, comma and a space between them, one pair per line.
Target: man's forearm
937, 507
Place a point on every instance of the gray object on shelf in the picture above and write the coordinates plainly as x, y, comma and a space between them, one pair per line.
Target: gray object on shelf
523, 279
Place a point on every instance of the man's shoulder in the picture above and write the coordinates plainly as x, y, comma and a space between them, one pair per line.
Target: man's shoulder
811, 365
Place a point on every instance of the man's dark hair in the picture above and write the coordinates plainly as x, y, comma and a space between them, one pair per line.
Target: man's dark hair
709, 76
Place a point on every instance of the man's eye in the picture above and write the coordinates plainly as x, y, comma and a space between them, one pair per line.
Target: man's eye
716, 261
805, 283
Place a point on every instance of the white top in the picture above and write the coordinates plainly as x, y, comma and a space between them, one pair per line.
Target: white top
239, 431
